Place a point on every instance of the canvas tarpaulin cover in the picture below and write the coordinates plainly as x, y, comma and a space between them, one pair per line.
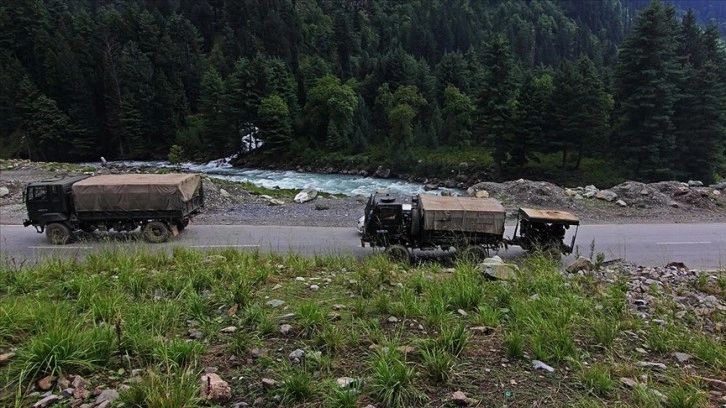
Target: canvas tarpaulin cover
135, 192
466, 214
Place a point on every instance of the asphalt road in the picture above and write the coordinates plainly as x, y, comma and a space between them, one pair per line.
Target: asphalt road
698, 246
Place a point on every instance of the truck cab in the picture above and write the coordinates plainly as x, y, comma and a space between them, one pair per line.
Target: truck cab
49, 201
387, 219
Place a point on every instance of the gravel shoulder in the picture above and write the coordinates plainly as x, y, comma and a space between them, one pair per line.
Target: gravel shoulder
232, 203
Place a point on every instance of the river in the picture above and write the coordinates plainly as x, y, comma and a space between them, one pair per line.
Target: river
350, 185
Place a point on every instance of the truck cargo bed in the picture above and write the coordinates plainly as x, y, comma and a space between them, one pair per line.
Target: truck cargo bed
462, 214
138, 193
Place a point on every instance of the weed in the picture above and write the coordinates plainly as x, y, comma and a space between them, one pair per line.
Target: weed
488, 316
708, 350
242, 342
342, 397
392, 382
311, 317
61, 349
170, 390
645, 398
297, 385
598, 380
685, 396
437, 363
662, 338
178, 353
331, 339
514, 342
453, 339
604, 331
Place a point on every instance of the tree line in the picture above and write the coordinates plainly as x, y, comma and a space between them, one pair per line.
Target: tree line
521, 79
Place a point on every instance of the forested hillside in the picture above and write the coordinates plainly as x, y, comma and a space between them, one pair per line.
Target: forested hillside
514, 82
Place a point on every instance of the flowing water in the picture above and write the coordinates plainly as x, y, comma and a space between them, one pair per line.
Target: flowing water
350, 185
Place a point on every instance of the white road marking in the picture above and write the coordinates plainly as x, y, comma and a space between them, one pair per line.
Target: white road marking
684, 243
223, 246
58, 247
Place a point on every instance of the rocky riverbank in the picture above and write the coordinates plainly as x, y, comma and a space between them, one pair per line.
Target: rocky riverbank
234, 203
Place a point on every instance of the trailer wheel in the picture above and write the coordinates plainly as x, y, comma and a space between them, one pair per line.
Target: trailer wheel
398, 253
57, 233
156, 232
474, 253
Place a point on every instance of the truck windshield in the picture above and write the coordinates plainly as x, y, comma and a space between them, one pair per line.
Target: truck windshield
37, 193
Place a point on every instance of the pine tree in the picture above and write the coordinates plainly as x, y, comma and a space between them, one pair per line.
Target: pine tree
275, 130
646, 77
496, 104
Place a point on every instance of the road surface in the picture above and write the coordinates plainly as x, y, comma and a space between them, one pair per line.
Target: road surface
698, 246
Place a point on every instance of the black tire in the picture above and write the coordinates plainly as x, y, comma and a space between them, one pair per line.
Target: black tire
88, 228
181, 223
57, 233
398, 253
155, 232
474, 253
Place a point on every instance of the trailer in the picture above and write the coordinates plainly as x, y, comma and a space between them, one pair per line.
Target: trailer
160, 204
472, 226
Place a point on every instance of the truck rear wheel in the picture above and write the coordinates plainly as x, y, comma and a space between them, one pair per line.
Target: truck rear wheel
398, 253
57, 233
156, 232
474, 253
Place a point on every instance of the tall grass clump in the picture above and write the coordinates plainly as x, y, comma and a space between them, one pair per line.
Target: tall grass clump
178, 353
340, 397
392, 379
175, 389
598, 380
297, 385
437, 363
685, 395
311, 317
453, 339
62, 349
465, 291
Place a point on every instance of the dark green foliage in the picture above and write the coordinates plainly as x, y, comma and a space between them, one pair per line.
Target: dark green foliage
646, 93
131, 78
496, 104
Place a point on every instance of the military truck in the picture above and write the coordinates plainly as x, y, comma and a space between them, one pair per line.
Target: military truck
160, 204
473, 226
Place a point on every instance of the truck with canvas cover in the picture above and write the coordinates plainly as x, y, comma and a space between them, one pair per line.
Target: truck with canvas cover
160, 204
471, 225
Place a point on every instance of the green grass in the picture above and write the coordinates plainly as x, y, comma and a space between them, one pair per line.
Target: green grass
162, 314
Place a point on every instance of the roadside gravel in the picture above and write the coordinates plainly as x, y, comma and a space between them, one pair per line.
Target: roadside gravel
665, 202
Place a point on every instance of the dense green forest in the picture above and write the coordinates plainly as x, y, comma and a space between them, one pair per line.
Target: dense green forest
641, 90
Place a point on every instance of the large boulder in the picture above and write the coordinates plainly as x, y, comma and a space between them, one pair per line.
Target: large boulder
306, 195
606, 195
495, 268
581, 264
382, 173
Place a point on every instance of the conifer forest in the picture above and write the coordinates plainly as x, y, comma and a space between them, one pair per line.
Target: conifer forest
637, 86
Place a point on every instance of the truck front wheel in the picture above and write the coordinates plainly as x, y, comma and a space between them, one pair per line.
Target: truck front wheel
398, 253
156, 232
57, 233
